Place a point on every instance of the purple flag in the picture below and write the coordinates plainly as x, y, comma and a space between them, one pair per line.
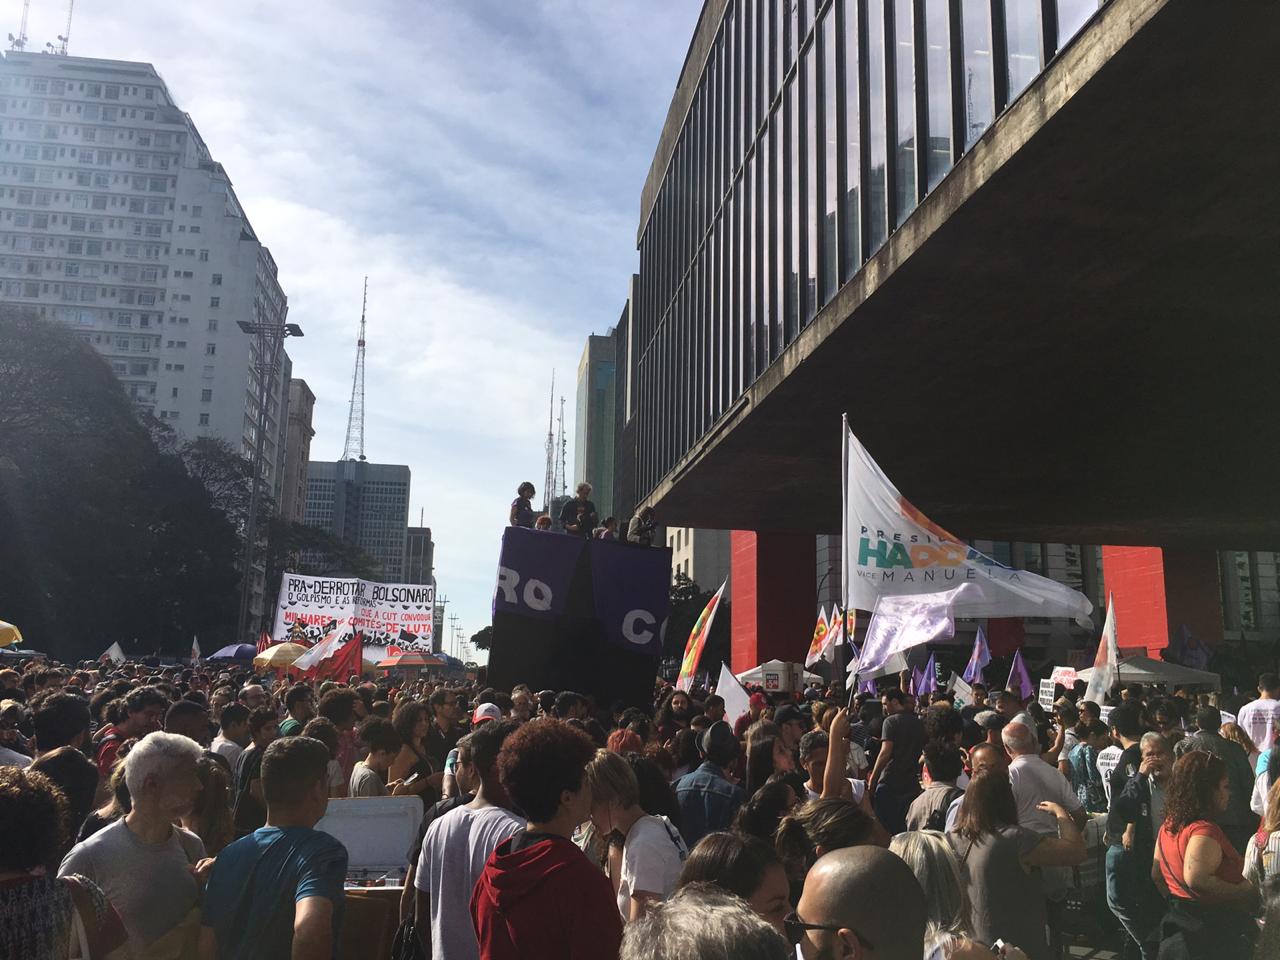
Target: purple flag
917, 680
1019, 679
978, 660
928, 682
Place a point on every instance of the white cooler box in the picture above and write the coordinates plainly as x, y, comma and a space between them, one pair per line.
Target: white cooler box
377, 832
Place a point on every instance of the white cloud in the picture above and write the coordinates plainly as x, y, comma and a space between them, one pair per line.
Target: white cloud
481, 162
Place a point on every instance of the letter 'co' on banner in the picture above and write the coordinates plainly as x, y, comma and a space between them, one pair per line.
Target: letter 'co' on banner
632, 594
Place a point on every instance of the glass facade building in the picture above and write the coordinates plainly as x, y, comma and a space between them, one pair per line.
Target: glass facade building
814, 130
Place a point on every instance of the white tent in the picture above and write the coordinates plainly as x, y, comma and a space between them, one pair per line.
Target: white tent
1146, 670
777, 675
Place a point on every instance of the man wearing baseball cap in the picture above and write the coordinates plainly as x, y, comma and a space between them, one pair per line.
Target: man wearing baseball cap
484, 713
755, 707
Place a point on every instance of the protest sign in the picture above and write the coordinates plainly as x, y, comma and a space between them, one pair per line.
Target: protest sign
1045, 697
400, 613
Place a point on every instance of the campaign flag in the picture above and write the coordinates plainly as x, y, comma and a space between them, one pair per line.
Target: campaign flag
113, 653
1187, 650
264, 641
195, 647
890, 549
978, 660
1019, 679
323, 650
929, 679
902, 622
818, 645
698, 639
835, 636
917, 679
736, 699
1106, 662
631, 590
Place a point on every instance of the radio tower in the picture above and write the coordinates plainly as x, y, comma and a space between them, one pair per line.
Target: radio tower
563, 445
354, 447
551, 449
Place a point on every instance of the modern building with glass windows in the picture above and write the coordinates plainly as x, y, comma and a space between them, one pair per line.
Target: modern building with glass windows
957, 222
365, 504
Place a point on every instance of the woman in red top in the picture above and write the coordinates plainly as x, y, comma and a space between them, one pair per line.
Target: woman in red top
1210, 904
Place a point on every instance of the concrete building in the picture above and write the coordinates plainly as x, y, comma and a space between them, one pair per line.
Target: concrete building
365, 504
116, 220
419, 556
297, 453
594, 421
850, 197
701, 555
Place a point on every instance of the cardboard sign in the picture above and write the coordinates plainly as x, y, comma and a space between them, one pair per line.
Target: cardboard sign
1046, 694
1064, 675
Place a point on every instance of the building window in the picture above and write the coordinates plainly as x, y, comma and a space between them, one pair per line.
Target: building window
213, 326
215, 302
210, 349
217, 280
206, 396
204, 419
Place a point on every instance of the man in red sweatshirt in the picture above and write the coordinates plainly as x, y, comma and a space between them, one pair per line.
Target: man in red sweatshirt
539, 896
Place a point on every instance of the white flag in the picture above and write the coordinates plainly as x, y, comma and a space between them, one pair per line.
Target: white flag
890, 548
113, 653
1106, 662
195, 647
736, 699
323, 650
900, 623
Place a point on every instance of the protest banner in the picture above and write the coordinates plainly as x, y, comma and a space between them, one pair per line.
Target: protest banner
403, 613
1045, 697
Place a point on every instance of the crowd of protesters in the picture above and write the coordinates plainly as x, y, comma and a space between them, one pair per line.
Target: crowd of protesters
579, 518
170, 812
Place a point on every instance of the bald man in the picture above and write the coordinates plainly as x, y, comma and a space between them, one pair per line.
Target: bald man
842, 914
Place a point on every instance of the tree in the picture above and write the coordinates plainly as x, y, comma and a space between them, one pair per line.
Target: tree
106, 536
312, 551
482, 639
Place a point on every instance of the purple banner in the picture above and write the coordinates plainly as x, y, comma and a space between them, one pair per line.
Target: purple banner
535, 572
632, 588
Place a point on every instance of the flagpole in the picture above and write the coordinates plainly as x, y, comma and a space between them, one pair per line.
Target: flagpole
837, 665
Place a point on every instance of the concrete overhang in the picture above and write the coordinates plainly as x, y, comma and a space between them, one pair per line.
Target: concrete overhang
1075, 337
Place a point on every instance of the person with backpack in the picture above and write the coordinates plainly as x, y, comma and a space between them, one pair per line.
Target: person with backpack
944, 764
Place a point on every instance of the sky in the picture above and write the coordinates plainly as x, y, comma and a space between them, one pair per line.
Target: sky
481, 161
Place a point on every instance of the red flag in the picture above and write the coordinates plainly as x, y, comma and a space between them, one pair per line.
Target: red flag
264, 641
346, 661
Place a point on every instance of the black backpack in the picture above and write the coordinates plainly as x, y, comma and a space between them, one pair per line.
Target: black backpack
938, 819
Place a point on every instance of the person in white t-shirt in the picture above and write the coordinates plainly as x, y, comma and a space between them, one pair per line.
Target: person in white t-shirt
456, 848
1260, 718
1035, 781
647, 867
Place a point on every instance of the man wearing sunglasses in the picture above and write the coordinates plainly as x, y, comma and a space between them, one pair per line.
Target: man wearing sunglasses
842, 912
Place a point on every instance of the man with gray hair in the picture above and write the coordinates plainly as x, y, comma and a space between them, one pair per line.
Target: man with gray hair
703, 922
149, 869
579, 516
842, 911
1034, 781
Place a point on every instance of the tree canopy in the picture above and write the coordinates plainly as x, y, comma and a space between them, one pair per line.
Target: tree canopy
107, 537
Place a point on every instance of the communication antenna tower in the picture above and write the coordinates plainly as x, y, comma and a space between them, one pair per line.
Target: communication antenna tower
563, 446
353, 449
65, 36
551, 449
20, 41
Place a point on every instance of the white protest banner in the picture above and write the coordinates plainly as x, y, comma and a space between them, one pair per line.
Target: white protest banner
736, 699
386, 613
891, 548
1064, 675
1045, 697
900, 623
961, 690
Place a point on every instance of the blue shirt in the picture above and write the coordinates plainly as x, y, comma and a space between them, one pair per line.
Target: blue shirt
256, 881
708, 802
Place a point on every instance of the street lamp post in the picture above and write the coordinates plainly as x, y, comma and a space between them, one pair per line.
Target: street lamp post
270, 340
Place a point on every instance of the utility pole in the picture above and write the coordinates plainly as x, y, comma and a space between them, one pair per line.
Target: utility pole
453, 634
270, 338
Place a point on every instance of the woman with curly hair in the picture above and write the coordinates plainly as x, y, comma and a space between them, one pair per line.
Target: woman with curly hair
1210, 903
412, 721
43, 917
539, 896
